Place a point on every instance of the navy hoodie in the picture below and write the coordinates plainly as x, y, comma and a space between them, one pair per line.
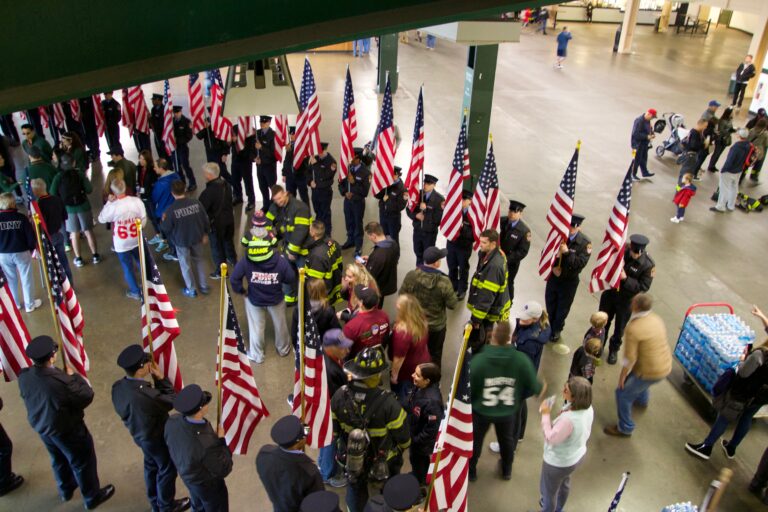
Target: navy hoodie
530, 340
16, 232
265, 279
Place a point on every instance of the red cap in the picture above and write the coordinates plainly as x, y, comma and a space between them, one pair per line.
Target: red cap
652, 111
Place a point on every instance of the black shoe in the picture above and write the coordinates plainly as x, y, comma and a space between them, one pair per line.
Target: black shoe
192, 188
700, 450
504, 476
347, 245
555, 336
237, 201
713, 169
460, 296
649, 175
729, 451
249, 207
15, 483
472, 476
612, 356
67, 495
104, 494
180, 505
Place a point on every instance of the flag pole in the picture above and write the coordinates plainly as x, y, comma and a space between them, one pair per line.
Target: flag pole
222, 316
454, 385
144, 294
44, 267
302, 313
464, 122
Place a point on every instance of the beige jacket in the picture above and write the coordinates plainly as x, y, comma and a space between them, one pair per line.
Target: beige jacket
646, 347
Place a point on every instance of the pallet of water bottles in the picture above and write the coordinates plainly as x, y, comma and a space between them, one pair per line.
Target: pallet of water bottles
710, 343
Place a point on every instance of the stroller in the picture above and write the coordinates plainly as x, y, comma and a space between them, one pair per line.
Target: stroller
678, 132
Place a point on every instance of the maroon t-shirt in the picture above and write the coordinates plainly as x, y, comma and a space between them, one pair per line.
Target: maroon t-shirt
414, 354
367, 329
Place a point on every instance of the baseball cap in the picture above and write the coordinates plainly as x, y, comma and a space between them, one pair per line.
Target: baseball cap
531, 311
336, 338
714, 103
652, 111
433, 254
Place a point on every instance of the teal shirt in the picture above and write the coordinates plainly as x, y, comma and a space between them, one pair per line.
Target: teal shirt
501, 378
42, 144
42, 170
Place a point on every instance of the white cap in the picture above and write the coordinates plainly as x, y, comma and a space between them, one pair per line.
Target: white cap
743, 133
531, 311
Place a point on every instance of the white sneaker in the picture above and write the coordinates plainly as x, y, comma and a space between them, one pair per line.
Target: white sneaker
494, 447
675, 220
680, 219
35, 304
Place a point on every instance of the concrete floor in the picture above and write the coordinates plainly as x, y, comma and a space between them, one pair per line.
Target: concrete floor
539, 114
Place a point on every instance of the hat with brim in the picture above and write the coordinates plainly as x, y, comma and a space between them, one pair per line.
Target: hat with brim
401, 492
132, 358
320, 501
265, 119
41, 348
366, 364
191, 399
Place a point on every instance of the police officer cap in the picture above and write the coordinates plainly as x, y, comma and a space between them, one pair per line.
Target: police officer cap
576, 220
132, 358
191, 399
401, 492
176, 108
320, 501
41, 348
428, 178
377, 504
324, 145
358, 152
35, 152
398, 170
66, 162
292, 130
433, 254
367, 295
466, 194
265, 119
638, 242
287, 431
516, 206
367, 363
156, 96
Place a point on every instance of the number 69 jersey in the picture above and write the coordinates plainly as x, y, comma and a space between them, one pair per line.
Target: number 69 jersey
501, 378
122, 212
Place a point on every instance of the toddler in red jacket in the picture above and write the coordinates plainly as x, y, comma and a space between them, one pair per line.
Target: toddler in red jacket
685, 191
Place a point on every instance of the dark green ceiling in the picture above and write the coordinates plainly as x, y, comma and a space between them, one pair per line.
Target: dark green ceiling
55, 50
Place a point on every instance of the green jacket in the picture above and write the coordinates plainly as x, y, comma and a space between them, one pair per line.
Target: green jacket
129, 173
7, 184
80, 208
42, 170
501, 378
434, 291
42, 144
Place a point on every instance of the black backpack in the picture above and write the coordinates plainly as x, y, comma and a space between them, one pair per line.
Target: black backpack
71, 188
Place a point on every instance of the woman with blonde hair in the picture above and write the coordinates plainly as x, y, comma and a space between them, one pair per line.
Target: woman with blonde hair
408, 348
354, 274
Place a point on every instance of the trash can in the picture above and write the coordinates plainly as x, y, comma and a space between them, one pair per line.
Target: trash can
732, 85
616, 40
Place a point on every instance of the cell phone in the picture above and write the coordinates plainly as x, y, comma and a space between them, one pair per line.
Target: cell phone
550, 401
359, 259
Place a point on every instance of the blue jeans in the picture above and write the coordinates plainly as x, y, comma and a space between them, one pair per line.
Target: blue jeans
742, 427
15, 264
326, 460
127, 259
635, 390
431, 41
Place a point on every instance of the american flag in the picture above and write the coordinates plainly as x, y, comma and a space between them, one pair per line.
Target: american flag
610, 261
241, 405
98, 115
139, 109
559, 217
281, 135
484, 211
169, 139
162, 321
68, 309
413, 180
74, 106
317, 401
348, 128
450, 224
454, 444
617, 497
307, 142
244, 130
44, 119
128, 118
196, 102
59, 119
14, 336
222, 127
384, 165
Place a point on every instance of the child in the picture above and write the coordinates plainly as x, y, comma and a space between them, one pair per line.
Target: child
586, 358
598, 320
685, 191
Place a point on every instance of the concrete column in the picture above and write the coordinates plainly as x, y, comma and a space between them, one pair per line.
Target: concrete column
758, 48
628, 26
387, 63
666, 13
478, 100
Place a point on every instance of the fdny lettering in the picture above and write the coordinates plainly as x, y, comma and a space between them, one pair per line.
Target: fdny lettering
11, 224
264, 278
186, 211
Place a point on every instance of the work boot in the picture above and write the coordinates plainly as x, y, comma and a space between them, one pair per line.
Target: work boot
612, 356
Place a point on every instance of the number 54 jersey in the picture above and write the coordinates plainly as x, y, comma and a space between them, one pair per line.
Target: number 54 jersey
501, 378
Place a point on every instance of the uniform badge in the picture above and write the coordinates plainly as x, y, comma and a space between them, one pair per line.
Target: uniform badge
589, 248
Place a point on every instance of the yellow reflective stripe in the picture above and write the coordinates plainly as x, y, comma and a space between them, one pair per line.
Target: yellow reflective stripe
315, 273
397, 422
487, 285
404, 445
298, 250
270, 215
476, 312
302, 221
336, 289
289, 299
339, 262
